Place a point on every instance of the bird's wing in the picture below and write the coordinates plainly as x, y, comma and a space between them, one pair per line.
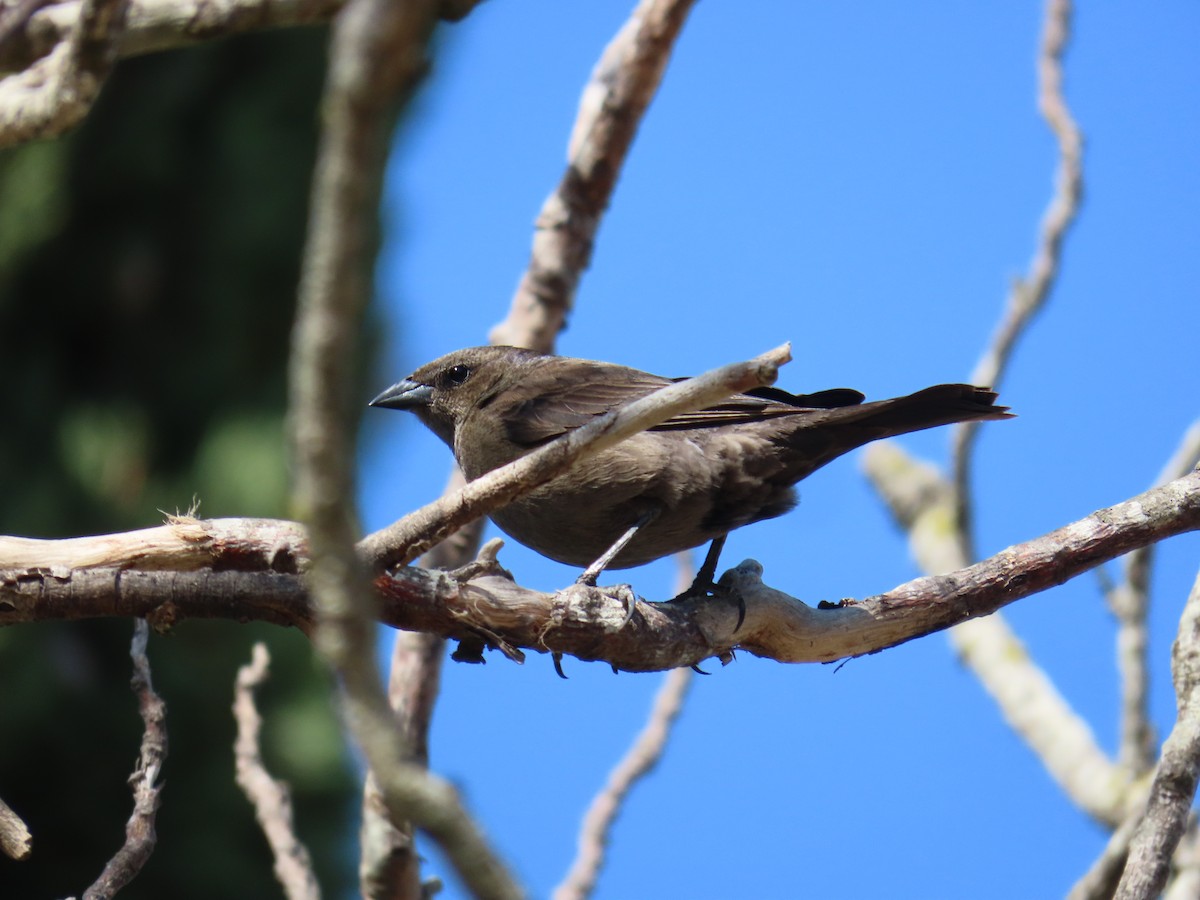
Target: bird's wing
580, 393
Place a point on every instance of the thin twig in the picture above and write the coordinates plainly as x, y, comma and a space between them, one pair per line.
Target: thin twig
271, 799
389, 866
922, 502
1129, 602
139, 831
1174, 785
1100, 881
1030, 294
610, 110
409, 537
641, 757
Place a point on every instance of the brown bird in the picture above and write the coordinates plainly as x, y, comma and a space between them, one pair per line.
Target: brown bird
688, 481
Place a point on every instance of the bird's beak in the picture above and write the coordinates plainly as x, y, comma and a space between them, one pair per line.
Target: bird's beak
404, 395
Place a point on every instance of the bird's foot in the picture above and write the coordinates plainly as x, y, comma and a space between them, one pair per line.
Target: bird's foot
590, 601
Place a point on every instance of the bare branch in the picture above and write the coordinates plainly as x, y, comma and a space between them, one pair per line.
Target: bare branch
1030, 294
1129, 602
139, 832
641, 757
57, 92
418, 531
14, 17
1100, 881
660, 635
15, 840
377, 57
923, 503
1174, 785
390, 866
154, 25
610, 110
271, 799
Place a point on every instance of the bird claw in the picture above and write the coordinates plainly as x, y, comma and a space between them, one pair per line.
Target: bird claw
583, 598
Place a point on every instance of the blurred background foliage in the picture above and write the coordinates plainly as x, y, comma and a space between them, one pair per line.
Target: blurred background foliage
148, 270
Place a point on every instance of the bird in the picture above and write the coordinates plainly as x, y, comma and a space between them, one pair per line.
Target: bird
686, 482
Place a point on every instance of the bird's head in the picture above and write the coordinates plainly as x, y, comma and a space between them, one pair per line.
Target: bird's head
445, 392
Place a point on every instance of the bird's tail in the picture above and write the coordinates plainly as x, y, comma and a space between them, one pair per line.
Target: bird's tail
824, 435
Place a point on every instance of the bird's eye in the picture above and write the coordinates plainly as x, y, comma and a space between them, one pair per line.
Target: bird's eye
456, 375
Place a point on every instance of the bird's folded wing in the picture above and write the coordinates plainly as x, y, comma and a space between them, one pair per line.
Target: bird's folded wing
589, 390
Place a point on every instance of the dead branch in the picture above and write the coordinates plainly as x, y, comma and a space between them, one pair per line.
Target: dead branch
15, 840
639, 760
377, 57
56, 92
1029, 294
139, 832
271, 799
1174, 785
1129, 601
587, 624
610, 110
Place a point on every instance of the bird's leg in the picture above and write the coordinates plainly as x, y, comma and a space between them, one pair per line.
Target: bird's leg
706, 578
592, 572
705, 581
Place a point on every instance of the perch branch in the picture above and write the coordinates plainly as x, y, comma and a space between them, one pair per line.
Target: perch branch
660, 635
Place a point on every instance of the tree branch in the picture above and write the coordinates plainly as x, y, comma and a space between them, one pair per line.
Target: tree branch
1029, 294
55, 93
923, 503
15, 840
139, 832
1129, 602
610, 110
376, 58
642, 756
660, 635
271, 799
639, 760
1174, 785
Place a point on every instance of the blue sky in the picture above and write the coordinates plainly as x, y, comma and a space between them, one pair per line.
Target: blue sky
863, 180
